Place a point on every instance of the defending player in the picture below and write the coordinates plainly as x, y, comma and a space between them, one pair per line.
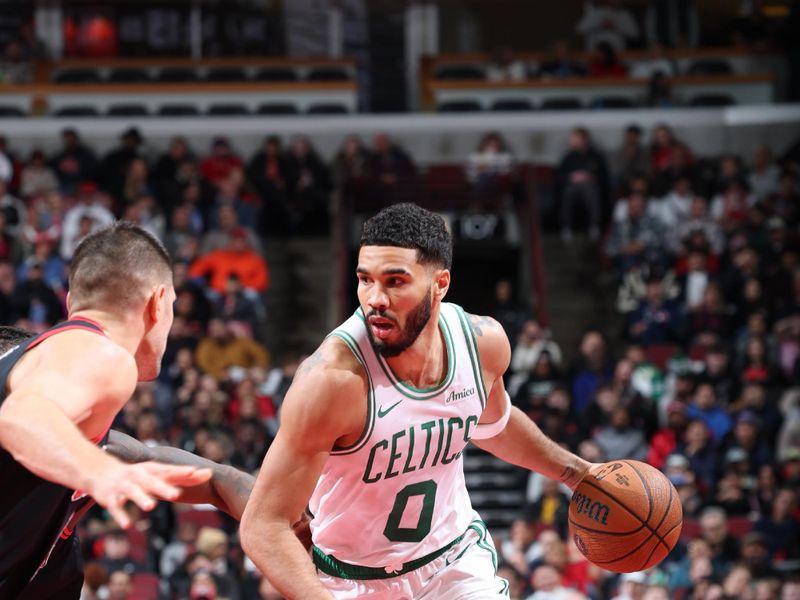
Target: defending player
65, 388
372, 431
60, 574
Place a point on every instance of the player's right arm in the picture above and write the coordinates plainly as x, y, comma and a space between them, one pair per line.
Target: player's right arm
320, 409
52, 410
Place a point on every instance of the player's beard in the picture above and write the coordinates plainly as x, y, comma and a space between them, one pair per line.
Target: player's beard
415, 322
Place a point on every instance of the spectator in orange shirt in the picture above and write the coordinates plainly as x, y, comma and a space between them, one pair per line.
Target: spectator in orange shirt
237, 259
217, 167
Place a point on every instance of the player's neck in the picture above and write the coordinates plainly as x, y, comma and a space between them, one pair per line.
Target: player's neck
424, 363
126, 334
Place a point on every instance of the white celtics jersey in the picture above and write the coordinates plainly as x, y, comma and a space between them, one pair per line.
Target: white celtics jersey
398, 493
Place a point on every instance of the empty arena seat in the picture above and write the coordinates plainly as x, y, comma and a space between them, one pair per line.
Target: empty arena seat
277, 108
459, 72
228, 110
327, 108
565, 103
512, 105
177, 75
145, 586
226, 74
127, 110
712, 100
710, 66
7, 112
276, 74
614, 102
76, 111
178, 110
77, 76
128, 76
459, 106
328, 74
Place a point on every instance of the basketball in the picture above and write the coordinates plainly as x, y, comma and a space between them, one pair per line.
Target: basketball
626, 517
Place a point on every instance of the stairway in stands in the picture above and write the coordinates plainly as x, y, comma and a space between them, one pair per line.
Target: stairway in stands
496, 488
298, 302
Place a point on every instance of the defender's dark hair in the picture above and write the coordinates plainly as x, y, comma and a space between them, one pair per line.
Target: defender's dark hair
112, 267
410, 226
12, 336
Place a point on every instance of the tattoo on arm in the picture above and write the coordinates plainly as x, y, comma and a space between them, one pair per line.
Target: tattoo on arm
479, 323
311, 362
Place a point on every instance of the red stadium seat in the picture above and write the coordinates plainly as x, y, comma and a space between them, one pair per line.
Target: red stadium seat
201, 518
659, 354
139, 542
739, 526
691, 529
145, 586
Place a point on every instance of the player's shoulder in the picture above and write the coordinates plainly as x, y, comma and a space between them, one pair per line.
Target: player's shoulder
333, 364
493, 345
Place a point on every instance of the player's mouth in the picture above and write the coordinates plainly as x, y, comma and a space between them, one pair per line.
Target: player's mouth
381, 327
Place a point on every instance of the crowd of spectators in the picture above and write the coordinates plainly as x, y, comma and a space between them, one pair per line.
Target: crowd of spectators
701, 382
705, 256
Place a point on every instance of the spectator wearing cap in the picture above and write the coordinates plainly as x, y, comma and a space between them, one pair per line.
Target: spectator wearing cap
37, 177
217, 167
237, 259
632, 586
781, 526
666, 439
706, 407
89, 214
74, 163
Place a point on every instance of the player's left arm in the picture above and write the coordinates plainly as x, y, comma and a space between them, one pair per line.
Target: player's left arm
228, 489
520, 442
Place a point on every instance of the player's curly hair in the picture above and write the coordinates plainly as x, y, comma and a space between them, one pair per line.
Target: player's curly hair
407, 225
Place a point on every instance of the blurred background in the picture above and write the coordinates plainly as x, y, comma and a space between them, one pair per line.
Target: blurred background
621, 181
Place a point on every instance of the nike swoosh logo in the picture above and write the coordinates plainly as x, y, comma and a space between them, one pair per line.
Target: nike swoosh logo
382, 413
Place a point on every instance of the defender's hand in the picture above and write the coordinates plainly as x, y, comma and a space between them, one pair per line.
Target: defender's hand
118, 483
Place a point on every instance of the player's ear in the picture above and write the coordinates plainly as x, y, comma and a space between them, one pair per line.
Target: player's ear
155, 304
441, 283
69, 303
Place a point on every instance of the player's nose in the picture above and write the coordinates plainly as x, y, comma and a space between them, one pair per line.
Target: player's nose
378, 299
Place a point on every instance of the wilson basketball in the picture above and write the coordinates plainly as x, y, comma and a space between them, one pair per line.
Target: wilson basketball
626, 517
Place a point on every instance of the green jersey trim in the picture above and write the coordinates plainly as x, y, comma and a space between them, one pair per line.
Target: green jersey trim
370, 424
409, 391
330, 565
474, 357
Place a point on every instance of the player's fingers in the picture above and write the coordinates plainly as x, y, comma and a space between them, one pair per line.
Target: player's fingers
156, 486
119, 515
141, 498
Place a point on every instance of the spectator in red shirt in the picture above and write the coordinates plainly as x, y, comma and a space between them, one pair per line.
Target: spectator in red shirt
237, 259
217, 167
666, 439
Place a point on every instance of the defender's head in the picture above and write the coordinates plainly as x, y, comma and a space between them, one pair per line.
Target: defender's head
125, 271
403, 274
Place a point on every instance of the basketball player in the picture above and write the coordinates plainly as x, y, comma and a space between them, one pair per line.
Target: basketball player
372, 432
61, 391
61, 572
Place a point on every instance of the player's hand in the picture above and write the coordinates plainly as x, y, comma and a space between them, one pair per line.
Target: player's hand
302, 529
141, 484
587, 469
